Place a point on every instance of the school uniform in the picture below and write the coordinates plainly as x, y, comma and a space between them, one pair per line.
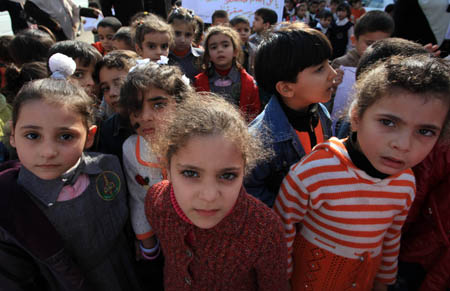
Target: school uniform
81, 243
342, 30
237, 87
189, 63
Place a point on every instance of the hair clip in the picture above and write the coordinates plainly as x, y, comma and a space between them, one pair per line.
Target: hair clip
185, 80
61, 66
163, 60
139, 63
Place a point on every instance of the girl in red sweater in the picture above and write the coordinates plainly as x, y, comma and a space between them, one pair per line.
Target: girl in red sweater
214, 235
223, 73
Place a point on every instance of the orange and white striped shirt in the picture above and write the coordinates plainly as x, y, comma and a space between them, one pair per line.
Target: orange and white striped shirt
341, 209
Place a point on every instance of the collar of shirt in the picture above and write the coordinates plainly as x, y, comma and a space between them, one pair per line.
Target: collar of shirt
47, 191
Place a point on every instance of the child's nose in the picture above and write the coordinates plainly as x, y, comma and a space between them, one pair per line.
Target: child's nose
48, 150
209, 192
402, 141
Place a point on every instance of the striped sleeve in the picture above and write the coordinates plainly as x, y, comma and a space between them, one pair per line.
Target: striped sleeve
291, 205
387, 271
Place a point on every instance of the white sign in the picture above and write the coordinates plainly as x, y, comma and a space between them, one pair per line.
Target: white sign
247, 8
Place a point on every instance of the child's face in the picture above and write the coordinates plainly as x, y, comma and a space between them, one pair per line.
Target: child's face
313, 7
49, 138
207, 175
289, 4
220, 21
398, 132
105, 36
119, 44
357, 5
244, 31
301, 11
341, 14
314, 84
326, 21
258, 24
156, 106
83, 77
366, 39
155, 45
221, 51
184, 33
110, 82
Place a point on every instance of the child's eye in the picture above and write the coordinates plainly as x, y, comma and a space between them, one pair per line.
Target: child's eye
178, 33
110, 37
66, 136
78, 75
187, 35
151, 46
387, 122
228, 176
320, 69
104, 89
165, 46
32, 136
159, 105
189, 174
213, 47
427, 132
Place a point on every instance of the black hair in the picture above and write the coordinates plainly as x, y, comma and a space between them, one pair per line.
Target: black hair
238, 20
118, 59
324, 13
110, 21
268, 15
124, 34
59, 92
182, 14
373, 21
77, 50
17, 77
383, 49
219, 14
164, 77
30, 45
344, 7
283, 54
5, 40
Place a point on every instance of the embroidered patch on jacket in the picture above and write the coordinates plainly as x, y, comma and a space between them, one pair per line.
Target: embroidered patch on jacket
108, 185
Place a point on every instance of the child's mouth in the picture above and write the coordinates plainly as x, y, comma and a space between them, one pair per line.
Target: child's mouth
392, 162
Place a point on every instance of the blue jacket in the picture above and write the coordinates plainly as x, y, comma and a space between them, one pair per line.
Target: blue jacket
276, 131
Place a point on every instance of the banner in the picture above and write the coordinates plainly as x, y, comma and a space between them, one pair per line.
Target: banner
247, 8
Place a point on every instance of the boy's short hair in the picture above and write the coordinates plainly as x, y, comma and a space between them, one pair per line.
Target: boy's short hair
124, 34
118, 59
372, 21
86, 53
385, 48
30, 45
268, 15
111, 22
238, 20
5, 40
219, 14
324, 13
285, 53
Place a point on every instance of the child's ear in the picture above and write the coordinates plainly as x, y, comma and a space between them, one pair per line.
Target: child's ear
12, 140
354, 39
285, 89
90, 136
266, 25
138, 49
354, 118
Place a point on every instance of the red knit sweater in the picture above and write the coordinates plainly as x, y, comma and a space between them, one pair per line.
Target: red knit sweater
245, 251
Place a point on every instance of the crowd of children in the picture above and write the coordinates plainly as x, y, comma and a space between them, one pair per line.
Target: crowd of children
310, 155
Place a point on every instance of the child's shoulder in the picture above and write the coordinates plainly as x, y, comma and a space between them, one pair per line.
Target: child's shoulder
130, 143
102, 161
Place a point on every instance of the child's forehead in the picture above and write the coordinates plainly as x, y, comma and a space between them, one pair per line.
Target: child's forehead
182, 25
85, 64
241, 25
112, 72
105, 30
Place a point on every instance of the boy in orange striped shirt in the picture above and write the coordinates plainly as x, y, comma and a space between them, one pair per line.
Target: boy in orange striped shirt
344, 204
